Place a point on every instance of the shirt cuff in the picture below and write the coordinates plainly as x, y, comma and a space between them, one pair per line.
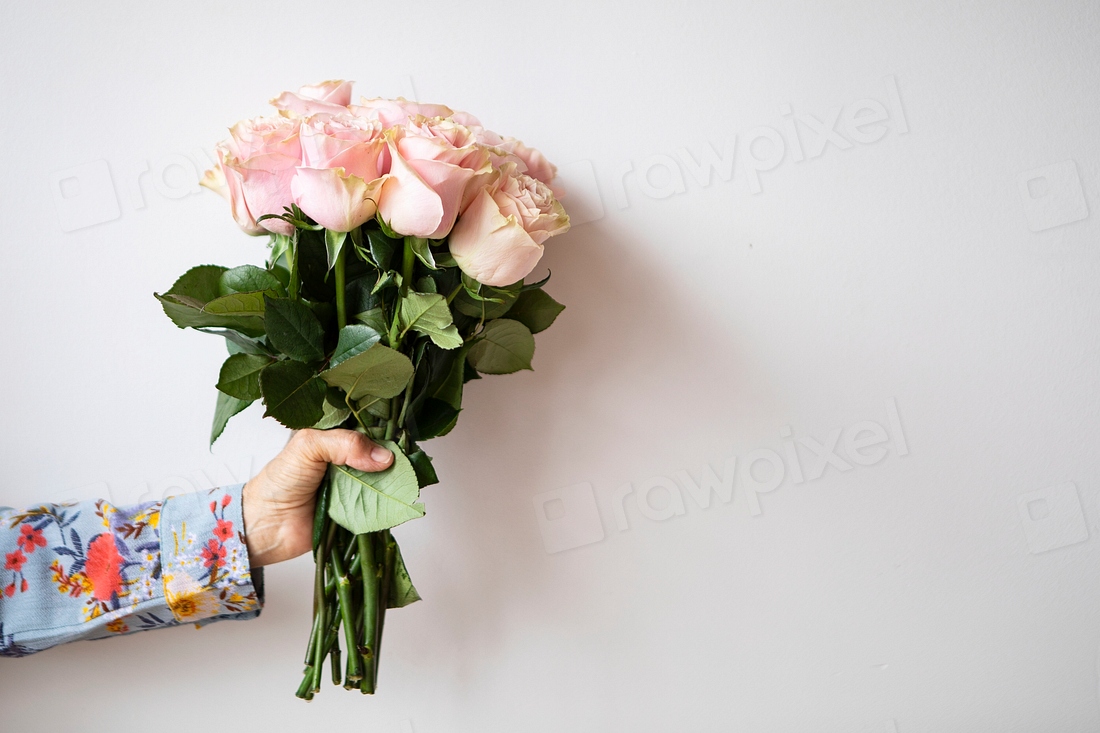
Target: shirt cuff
206, 573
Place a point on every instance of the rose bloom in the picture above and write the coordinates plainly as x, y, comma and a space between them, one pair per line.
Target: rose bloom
330, 97
435, 169
340, 179
504, 149
499, 239
254, 171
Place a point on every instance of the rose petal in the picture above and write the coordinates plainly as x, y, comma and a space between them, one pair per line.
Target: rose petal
335, 91
335, 199
409, 205
265, 187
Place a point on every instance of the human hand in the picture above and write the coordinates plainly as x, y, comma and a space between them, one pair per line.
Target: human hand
278, 503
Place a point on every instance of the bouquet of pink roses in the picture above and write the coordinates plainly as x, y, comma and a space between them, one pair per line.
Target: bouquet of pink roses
401, 234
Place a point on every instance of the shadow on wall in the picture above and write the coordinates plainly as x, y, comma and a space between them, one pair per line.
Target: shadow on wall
634, 361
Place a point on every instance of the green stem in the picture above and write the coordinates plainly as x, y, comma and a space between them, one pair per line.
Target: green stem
341, 294
454, 293
383, 595
319, 609
344, 597
369, 606
292, 255
305, 690
335, 660
391, 426
407, 267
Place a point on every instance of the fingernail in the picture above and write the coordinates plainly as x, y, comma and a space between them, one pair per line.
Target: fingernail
379, 454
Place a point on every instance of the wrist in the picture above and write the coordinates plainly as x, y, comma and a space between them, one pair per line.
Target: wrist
261, 532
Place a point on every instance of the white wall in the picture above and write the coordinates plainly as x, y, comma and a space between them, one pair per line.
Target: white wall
947, 270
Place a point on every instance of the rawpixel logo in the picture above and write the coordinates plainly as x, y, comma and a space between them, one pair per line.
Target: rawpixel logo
1052, 518
84, 196
568, 517
1052, 196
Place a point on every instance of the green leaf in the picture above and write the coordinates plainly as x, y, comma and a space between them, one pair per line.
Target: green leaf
469, 374
505, 346
486, 310
293, 393
250, 279
374, 318
445, 259
334, 242
226, 408
354, 340
280, 245
426, 285
317, 283
294, 330
375, 406
432, 419
537, 285
240, 376
358, 293
200, 283
536, 310
387, 230
449, 389
425, 471
389, 277
370, 502
378, 371
282, 275
423, 250
402, 592
381, 248
428, 313
241, 312
336, 410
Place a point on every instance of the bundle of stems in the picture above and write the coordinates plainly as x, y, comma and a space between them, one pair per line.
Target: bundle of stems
353, 572
350, 596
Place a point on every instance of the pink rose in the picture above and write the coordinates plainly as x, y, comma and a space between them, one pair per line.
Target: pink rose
336, 199
392, 112
498, 239
341, 177
343, 141
436, 166
264, 152
226, 182
504, 149
331, 97
538, 166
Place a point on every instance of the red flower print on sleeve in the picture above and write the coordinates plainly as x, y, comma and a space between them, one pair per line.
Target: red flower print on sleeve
9, 590
14, 561
225, 500
224, 530
30, 538
213, 507
103, 567
213, 555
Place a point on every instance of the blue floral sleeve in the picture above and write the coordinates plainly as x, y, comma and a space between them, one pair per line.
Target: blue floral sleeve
93, 570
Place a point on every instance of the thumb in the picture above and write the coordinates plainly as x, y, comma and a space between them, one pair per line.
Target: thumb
343, 448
